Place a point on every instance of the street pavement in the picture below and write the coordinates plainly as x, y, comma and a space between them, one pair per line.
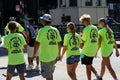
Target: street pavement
60, 71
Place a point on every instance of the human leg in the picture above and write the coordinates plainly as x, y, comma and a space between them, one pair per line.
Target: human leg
9, 76
109, 67
71, 71
47, 69
30, 59
95, 72
10, 71
21, 70
102, 68
88, 62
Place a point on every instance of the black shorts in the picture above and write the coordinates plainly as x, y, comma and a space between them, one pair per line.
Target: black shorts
20, 68
87, 60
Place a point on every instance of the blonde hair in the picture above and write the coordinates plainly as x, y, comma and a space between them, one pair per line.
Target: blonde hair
71, 26
85, 17
109, 31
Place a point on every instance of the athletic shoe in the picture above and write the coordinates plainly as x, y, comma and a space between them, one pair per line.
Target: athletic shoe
37, 68
30, 67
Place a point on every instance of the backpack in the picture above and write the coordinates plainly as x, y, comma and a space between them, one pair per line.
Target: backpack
32, 35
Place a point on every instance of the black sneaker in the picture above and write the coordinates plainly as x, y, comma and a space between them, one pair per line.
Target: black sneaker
100, 78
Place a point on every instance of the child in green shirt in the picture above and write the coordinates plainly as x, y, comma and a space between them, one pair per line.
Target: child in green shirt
106, 43
90, 41
14, 43
71, 44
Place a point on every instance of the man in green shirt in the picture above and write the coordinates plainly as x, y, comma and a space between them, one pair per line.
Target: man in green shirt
90, 41
14, 43
48, 39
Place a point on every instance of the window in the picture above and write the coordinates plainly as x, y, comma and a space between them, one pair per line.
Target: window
88, 2
98, 2
65, 18
72, 3
60, 1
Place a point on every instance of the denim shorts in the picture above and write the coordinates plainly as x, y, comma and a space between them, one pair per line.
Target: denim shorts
73, 59
20, 68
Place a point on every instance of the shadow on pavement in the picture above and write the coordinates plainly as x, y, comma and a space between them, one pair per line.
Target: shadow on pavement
15, 74
3, 68
32, 73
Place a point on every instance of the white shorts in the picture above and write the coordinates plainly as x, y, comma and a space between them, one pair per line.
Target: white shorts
30, 51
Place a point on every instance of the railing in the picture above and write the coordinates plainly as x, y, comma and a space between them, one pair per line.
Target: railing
79, 28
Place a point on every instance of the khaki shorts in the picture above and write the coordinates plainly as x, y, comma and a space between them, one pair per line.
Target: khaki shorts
47, 68
30, 51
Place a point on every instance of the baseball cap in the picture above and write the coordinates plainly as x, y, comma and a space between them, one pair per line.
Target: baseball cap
46, 17
12, 18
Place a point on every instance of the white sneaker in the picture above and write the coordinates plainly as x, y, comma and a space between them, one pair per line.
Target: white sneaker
37, 68
30, 67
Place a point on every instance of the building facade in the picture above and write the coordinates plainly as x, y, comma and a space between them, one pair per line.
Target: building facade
71, 10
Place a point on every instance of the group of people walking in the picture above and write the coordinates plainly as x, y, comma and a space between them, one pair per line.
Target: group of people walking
48, 42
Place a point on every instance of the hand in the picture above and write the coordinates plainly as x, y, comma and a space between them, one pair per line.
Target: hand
61, 57
117, 53
33, 56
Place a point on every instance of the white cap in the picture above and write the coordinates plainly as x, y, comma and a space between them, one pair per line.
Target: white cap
46, 17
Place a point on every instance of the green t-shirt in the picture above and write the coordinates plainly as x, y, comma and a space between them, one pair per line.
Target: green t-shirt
48, 37
14, 43
20, 28
0, 39
107, 43
72, 45
90, 38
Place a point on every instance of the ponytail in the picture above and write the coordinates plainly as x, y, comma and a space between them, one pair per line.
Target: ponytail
71, 25
109, 31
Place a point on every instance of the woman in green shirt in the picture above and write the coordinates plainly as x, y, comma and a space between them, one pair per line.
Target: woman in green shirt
71, 44
106, 43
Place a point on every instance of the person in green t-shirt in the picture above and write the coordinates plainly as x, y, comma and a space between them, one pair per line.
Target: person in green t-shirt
90, 41
14, 43
72, 42
0, 39
106, 43
20, 29
48, 39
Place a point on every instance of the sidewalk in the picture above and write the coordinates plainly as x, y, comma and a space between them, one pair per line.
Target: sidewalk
60, 72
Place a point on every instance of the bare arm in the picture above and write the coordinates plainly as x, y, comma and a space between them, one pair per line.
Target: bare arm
27, 36
99, 44
63, 51
116, 48
81, 45
59, 50
36, 47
